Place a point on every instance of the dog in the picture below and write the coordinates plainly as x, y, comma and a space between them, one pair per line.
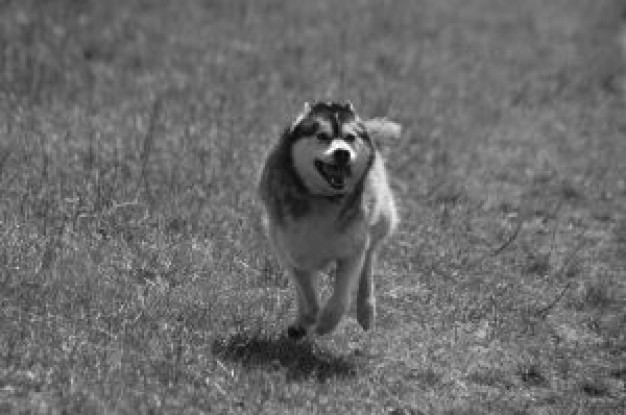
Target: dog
327, 201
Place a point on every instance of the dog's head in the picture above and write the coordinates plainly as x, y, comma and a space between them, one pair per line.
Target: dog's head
331, 148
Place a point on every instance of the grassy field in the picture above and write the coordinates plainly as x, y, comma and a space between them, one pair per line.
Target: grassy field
134, 278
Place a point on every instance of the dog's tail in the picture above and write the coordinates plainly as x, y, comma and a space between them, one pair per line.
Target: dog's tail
383, 129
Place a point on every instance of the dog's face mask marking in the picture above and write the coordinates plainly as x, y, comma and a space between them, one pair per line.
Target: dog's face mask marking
331, 149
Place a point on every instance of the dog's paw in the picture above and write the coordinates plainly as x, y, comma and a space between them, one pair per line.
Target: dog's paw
366, 314
328, 320
296, 332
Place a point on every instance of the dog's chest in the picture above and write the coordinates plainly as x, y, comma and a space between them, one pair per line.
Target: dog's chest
311, 242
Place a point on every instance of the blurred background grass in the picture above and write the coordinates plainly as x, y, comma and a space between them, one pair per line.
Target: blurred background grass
133, 274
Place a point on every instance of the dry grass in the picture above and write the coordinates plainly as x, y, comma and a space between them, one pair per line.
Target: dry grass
134, 278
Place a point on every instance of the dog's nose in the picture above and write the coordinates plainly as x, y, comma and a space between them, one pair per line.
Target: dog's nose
341, 156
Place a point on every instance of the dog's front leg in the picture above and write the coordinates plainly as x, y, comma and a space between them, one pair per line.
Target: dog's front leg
307, 301
366, 299
348, 272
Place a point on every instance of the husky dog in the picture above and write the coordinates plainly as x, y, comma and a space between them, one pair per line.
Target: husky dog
327, 201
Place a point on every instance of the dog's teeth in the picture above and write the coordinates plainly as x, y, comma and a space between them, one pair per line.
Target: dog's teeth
336, 181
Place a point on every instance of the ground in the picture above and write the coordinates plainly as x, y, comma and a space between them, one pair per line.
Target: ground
134, 277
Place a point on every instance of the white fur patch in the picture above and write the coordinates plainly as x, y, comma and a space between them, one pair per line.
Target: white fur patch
338, 145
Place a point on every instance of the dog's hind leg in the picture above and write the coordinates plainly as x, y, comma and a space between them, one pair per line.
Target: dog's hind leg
307, 301
347, 276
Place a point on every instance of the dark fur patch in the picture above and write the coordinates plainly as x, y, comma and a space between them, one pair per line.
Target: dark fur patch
335, 113
281, 188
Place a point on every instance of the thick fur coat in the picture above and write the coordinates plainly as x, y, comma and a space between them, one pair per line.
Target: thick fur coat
327, 201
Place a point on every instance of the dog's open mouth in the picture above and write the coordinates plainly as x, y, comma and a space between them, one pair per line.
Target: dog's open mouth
334, 174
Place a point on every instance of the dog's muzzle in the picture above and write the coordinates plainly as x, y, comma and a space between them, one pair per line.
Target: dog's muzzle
341, 157
334, 173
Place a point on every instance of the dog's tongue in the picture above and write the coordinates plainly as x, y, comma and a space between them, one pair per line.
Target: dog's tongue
335, 175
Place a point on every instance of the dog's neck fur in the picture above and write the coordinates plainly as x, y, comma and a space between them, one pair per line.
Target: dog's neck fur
287, 196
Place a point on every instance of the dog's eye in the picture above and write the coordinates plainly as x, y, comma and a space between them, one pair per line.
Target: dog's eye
349, 138
322, 136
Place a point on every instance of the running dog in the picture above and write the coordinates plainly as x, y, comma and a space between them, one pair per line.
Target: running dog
327, 201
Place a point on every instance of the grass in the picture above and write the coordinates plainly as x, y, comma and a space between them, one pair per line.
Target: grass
133, 274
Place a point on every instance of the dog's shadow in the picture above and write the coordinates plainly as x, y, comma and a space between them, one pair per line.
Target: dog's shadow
300, 359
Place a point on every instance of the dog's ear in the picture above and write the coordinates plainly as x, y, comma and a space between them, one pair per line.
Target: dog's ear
306, 110
381, 129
